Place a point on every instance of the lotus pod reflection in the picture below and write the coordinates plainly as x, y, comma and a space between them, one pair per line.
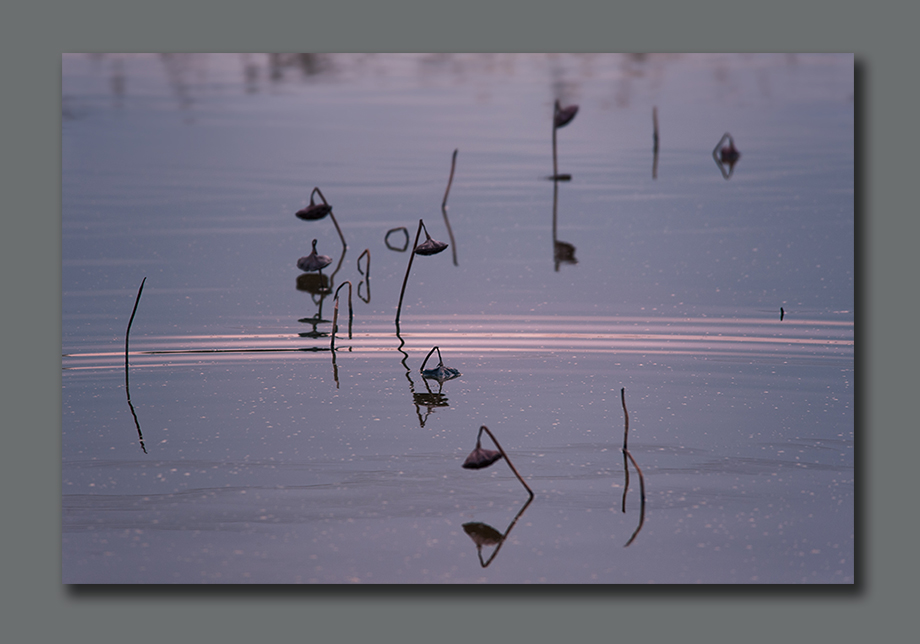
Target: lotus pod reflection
483, 534
313, 261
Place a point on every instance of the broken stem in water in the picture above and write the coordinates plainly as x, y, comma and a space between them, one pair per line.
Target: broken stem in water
440, 361
507, 460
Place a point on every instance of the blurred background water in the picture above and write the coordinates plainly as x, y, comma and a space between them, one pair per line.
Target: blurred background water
244, 450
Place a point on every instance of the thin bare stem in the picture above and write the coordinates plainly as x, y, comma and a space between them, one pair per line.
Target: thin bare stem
137, 423
450, 180
507, 460
450, 233
655, 146
555, 167
626, 415
335, 312
408, 268
131, 321
626, 482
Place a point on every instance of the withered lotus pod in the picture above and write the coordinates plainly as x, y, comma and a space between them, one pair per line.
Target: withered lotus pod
313, 262
481, 457
430, 247
439, 373
315, 210
563, 115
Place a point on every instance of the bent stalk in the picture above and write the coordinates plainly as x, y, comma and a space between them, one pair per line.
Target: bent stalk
402, 292
485, 429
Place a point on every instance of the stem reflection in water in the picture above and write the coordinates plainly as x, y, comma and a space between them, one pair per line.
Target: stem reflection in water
483, 534
726, 156
430, 400
563, 252
629, 456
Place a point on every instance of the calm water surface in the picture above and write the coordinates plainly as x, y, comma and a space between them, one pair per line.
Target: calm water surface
241, 449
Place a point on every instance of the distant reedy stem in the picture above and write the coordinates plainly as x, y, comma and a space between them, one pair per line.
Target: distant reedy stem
450, 233
626, 415
485, 429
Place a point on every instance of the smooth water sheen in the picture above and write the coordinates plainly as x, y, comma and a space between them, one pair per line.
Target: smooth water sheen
238, 447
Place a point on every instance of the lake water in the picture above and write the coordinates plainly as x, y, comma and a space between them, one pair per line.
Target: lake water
239, 448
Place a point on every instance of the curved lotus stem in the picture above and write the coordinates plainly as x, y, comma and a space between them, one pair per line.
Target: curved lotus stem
485, 429
386, 239
428, 247
335, 313
562, 116
316, 211
367, 275
440, 361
